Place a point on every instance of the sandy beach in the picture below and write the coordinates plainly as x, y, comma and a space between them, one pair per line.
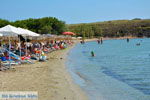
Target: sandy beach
50, 79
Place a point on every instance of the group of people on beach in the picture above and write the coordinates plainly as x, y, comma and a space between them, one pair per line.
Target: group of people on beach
26, 52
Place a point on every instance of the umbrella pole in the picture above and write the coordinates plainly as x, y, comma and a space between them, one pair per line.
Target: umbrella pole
20, 47
9, 52
2, 43
26, 44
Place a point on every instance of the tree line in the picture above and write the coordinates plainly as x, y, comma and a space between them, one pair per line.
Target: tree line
117, 28
46, 25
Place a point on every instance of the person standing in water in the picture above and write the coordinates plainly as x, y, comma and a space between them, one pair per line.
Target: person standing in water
101, 40
98, 41
92, 53
127, 39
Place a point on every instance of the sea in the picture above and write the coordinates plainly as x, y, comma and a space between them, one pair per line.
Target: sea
120, 70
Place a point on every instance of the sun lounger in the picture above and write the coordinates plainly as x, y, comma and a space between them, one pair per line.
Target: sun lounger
7, 63
19, 59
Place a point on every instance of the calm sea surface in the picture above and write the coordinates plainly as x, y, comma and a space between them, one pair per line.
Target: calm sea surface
119, 70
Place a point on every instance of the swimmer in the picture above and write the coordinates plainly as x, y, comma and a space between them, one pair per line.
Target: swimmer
92, 54
138, 44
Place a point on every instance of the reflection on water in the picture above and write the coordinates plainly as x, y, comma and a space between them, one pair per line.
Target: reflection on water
119, 71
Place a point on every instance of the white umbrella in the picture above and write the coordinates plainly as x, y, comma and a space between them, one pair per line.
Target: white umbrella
9, 31
23, 31
30, 33
26, 32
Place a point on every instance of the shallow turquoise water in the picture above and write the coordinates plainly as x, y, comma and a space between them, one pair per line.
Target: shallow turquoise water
119, 71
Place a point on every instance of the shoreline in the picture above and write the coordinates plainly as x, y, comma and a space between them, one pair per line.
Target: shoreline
115, 38
50, 79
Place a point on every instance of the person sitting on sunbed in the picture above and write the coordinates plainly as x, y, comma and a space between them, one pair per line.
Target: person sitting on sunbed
43, 57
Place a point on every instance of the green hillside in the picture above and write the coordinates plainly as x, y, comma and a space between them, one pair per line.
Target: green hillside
116, 28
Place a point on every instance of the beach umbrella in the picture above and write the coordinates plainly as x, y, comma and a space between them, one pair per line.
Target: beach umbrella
23, 31
12, 31
26, 33
68, 33
9, 31
30, 33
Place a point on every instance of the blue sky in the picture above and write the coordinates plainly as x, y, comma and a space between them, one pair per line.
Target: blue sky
75, 11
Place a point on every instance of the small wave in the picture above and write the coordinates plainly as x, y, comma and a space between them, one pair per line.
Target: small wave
82, 77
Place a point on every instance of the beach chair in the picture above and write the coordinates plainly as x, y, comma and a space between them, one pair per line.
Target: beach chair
18, 59
2, 67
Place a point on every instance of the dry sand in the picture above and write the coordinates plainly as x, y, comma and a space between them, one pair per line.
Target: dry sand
50, 79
